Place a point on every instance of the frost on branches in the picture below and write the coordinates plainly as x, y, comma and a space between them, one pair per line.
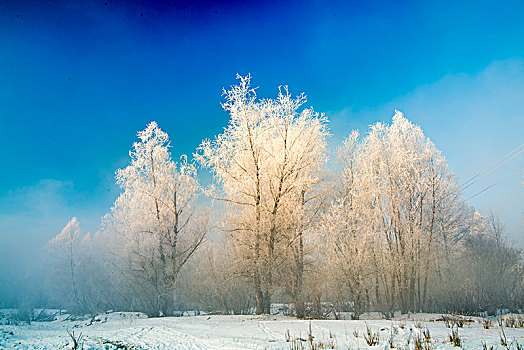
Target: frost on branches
156, 220
72, 275
389, 231
396, 199
67, 250
269, 165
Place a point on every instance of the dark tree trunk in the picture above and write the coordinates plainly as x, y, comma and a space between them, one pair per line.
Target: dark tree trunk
267, 303
259, 297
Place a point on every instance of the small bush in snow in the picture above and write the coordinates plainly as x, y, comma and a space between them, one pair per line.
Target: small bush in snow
487, 323
77, 340
454, 338
370, 337
485, 346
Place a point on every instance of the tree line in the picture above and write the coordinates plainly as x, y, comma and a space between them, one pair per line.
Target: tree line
384, 227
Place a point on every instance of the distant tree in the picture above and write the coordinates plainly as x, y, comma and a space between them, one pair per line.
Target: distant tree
495, 269
65, 253
211, 283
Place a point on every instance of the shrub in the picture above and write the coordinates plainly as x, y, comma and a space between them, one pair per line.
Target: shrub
370, 337
454, 338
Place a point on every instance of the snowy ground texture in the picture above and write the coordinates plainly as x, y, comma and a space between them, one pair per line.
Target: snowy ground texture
135, 331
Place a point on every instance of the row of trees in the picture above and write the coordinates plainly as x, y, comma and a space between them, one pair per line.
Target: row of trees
385, 231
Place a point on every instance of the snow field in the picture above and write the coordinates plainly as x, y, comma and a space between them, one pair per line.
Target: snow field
128, 331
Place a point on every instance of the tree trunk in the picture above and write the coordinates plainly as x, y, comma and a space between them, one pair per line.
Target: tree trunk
267, 302
299, 297
259, 297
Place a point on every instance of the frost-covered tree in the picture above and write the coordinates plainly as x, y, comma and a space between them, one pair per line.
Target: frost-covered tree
397, 195
481, 271
156, 219
268, 164
344, 240
65, 254
211, 284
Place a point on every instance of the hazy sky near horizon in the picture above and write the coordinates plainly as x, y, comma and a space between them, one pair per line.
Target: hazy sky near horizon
80, 78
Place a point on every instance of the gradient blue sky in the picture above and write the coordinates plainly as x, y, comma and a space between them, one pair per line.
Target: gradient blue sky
80, 78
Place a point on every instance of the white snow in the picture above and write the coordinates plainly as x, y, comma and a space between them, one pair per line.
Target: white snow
134, 331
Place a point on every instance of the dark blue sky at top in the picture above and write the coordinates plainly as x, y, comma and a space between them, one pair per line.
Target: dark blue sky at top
78, 79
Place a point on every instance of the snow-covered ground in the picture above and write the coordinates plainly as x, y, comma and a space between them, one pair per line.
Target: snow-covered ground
135, 331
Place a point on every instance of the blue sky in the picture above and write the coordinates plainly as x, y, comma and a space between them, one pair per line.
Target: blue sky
80, 78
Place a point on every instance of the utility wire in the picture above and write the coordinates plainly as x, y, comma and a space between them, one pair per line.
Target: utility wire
489, 172
483, 173
501, 180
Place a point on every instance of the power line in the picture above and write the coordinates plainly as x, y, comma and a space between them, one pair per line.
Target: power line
501, 180
489, 172
483, 173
